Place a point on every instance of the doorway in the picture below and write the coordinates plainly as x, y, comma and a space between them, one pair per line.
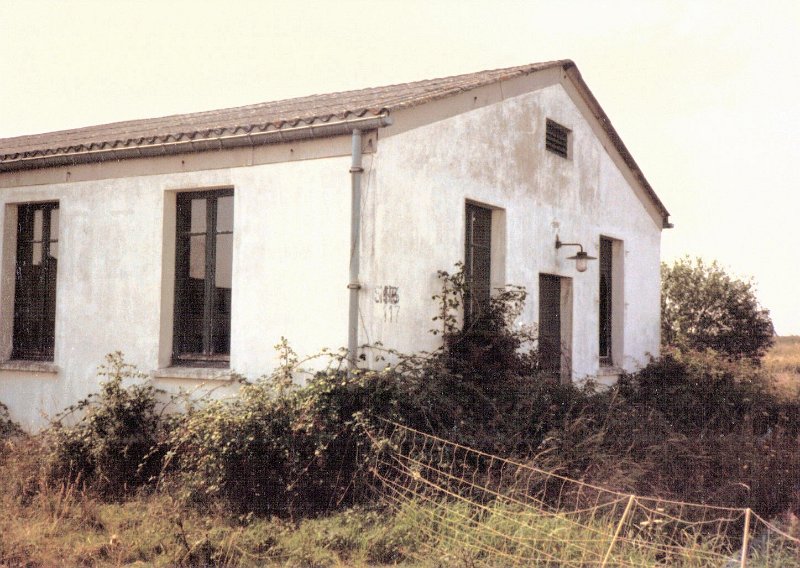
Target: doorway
555, 326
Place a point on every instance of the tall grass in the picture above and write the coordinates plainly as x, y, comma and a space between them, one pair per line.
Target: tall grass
458, 534
66, 524
66, 527
782, 361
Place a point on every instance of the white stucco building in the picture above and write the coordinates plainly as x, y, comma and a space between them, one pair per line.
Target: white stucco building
192, 243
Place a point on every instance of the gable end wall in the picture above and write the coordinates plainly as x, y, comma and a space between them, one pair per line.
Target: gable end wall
494, 155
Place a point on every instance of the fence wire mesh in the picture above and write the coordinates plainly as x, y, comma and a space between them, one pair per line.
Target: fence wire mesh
476, 509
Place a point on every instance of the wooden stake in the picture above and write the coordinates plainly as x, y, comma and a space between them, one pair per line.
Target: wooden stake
745, 538
628, 508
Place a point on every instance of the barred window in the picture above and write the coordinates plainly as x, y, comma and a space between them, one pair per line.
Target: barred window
35, 282
477, 261
606, 299
550, 324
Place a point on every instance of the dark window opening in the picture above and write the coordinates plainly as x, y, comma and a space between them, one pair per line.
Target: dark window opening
35, 282
203, 266
557, 139
550, 324
477, 262
606, 288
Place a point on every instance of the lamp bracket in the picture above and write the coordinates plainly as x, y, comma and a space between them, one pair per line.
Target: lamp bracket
559, 244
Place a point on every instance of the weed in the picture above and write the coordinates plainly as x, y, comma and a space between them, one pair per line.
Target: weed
8, 428
106, 448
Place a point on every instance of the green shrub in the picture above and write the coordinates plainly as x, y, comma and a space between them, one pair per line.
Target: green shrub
108, 449
692, 427
262, 451
490, 348
485, 387
703, 307
277, 448
703, 390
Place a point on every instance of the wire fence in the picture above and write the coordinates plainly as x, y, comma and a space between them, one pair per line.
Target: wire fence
477, 509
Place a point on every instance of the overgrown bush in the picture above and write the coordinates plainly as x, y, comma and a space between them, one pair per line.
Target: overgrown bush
743, 434
281, 449
703, 390
490, 348
108, 448
263, 451
485, 386
693, 427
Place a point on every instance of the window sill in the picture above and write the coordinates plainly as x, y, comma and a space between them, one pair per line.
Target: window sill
193, 373
25, 366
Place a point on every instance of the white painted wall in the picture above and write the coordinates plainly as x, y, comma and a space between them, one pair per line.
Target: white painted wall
290, 270
291, 240
495, 155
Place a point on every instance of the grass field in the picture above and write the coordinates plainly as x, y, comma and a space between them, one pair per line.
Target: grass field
783, 362
67, 528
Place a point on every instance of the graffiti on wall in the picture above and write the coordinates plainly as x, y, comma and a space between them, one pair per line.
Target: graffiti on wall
389, 298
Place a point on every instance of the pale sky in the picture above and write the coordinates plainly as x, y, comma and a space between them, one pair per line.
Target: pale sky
705, 94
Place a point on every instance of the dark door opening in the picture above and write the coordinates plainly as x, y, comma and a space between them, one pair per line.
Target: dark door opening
550, 324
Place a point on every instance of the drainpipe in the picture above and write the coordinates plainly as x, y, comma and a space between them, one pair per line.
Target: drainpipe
355, 244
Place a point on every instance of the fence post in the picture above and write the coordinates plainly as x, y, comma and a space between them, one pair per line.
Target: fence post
745, 538
628, 508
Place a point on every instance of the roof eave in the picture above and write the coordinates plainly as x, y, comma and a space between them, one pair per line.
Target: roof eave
73, 156
572, 72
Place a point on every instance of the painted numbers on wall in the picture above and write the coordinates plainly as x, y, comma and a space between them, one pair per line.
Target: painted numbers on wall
389, 297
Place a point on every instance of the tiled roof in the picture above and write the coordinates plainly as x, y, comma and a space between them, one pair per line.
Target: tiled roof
255, 118
260, 123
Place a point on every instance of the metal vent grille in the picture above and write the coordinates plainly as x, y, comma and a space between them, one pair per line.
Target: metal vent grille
557, 139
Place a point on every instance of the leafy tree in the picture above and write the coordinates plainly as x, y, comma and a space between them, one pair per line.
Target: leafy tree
703, 307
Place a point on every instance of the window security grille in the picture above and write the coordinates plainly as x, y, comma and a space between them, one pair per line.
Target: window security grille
477, 262
606, 307
557, 139
35, 290
550, 324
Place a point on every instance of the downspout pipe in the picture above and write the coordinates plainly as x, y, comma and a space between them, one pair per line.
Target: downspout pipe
354, 285
356, 171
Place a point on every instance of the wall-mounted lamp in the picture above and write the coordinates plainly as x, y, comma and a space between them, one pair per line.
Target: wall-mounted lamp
581, 258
